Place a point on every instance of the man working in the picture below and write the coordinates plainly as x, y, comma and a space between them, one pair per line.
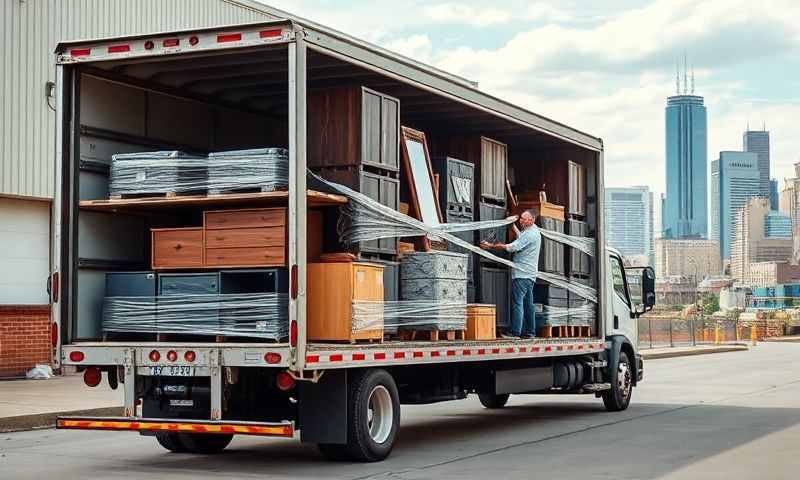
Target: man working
525, 250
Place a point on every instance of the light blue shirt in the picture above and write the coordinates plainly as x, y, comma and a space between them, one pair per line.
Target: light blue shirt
526, 253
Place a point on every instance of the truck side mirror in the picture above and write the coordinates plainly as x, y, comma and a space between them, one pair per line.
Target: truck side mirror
648, 288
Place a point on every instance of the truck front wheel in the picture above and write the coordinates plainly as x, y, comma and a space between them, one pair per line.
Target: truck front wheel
373, 418
619, 396
492, 401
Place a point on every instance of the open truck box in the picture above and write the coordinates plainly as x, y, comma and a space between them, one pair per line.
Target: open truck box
246, 86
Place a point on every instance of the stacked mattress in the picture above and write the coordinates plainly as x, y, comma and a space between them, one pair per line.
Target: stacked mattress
438, 280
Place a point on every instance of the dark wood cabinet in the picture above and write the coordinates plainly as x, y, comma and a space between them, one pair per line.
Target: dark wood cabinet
353, 126
490, 158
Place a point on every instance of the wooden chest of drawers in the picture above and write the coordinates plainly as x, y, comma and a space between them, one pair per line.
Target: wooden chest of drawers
228, 238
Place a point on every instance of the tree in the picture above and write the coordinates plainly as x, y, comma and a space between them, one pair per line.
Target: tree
710, 304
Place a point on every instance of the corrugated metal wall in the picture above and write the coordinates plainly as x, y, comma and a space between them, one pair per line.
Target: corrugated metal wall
29, 33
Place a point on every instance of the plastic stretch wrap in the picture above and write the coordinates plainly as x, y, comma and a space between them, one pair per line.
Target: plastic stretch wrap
411, 314
262, 315
581, 316
263, 168
145, 173
387, 222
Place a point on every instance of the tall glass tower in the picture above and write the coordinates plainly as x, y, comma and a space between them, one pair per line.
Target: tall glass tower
685, 209
758, 142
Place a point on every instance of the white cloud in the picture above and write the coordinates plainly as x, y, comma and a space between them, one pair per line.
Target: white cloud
466, 14
418, 47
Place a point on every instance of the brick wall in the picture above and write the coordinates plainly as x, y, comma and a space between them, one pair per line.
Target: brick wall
24, 338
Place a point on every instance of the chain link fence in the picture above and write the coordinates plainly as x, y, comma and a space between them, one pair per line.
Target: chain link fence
658, 331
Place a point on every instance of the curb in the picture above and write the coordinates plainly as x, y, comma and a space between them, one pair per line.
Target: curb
690, 353
790, 339
48, 420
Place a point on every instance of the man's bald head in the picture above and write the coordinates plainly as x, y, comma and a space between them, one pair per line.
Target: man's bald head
527, 218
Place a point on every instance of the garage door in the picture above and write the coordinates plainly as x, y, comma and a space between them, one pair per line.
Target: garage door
24, 251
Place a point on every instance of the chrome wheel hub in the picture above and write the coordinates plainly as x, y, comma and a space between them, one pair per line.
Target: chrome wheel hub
624, 379
380, 414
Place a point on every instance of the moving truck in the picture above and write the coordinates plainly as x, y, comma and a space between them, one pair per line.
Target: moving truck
247, 86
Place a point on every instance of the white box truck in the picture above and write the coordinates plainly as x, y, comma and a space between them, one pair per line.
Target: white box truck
246, 86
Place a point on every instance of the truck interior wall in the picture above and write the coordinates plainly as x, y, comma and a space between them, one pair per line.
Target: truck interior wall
119, 118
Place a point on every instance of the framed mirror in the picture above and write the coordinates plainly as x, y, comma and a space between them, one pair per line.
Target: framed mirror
417, 164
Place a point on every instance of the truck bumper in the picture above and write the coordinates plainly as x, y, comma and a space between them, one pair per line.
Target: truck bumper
154, 425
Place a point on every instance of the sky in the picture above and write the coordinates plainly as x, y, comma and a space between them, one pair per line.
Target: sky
606, 67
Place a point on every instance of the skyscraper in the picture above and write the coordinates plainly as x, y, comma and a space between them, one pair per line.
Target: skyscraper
685, 212
734, 180
757, 141
629, 221
773, 195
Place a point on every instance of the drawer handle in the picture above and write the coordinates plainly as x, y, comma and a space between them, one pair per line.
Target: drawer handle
178, 246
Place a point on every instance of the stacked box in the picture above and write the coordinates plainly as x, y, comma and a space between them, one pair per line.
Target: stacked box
551, 255
432, 278
552, 305
582, 312
578, 264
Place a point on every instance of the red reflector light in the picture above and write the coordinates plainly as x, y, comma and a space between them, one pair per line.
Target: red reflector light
92, 376
119, 48
172, 355
270, 33
284, 381
193, 40
148, 45
76, 356
154, 356
229, 37
172, 42
54, 333
189, 356
272, 358
293, 333
80, 52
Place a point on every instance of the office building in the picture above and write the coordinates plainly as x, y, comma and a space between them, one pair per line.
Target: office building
757, 142
751, 244
629, 221
692, 258
789, 203
773, 194
685, 212
734, 180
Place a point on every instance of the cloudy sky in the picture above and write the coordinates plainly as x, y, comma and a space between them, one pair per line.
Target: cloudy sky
606, 67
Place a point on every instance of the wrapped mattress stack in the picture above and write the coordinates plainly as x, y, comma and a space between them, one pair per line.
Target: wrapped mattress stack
438, 281
266, 169
149, 173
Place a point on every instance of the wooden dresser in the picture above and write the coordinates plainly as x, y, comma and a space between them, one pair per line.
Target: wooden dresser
331, 290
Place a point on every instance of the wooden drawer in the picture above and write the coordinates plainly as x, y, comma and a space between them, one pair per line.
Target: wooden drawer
263, 217
246, 257
177, 248
246, 237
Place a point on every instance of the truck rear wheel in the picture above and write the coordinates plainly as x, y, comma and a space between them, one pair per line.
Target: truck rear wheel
619, 396
373, 418
193, 442
490, 400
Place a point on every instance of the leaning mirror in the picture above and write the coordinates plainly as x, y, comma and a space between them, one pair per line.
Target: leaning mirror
418, 165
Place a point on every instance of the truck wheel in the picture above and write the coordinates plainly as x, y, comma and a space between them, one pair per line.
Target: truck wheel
201, 443
619, 396
492, 401
373, 418
171, 442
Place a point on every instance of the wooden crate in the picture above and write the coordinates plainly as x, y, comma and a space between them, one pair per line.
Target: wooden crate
331, 290
481, 322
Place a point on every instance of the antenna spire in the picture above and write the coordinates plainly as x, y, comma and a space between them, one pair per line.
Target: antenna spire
677, 78
692, 79
685, 70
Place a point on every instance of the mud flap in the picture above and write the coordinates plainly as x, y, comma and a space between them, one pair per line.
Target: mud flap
322, 408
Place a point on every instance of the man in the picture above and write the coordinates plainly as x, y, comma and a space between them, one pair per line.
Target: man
525, 250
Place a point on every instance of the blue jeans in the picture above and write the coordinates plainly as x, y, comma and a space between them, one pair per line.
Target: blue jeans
523, 315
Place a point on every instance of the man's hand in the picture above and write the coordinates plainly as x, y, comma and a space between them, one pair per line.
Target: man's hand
486, 245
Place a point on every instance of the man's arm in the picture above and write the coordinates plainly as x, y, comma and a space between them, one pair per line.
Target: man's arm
521, 242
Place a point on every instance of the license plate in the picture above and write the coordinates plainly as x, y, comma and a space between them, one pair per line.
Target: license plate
171, 371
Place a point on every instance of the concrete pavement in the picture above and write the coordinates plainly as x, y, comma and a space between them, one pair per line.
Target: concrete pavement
671, 352
726, 416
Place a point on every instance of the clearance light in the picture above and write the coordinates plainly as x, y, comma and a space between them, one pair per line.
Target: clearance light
172, 355
270, 33
154, 356
76, 356
293, 333
119, 48
193, 40
189, 356
80, 52
92, 376
171, 42
149, 45
229, 37
284, 381
272, 358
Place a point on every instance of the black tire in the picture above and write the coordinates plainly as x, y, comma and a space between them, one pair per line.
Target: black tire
368, 441
204, 443
492, 401
618, 397
171, 442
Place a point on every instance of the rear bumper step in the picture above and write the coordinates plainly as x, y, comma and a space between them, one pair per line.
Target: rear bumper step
277, 429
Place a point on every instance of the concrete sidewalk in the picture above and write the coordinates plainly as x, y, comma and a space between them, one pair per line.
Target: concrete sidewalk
670, 352
28, 404
786, 339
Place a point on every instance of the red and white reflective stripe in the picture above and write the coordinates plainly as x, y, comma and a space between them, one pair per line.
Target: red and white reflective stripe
276, 430
443, 353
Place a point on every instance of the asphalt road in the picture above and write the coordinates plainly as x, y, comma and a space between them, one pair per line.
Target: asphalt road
723, 416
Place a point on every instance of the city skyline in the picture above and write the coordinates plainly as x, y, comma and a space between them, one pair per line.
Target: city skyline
569, 61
